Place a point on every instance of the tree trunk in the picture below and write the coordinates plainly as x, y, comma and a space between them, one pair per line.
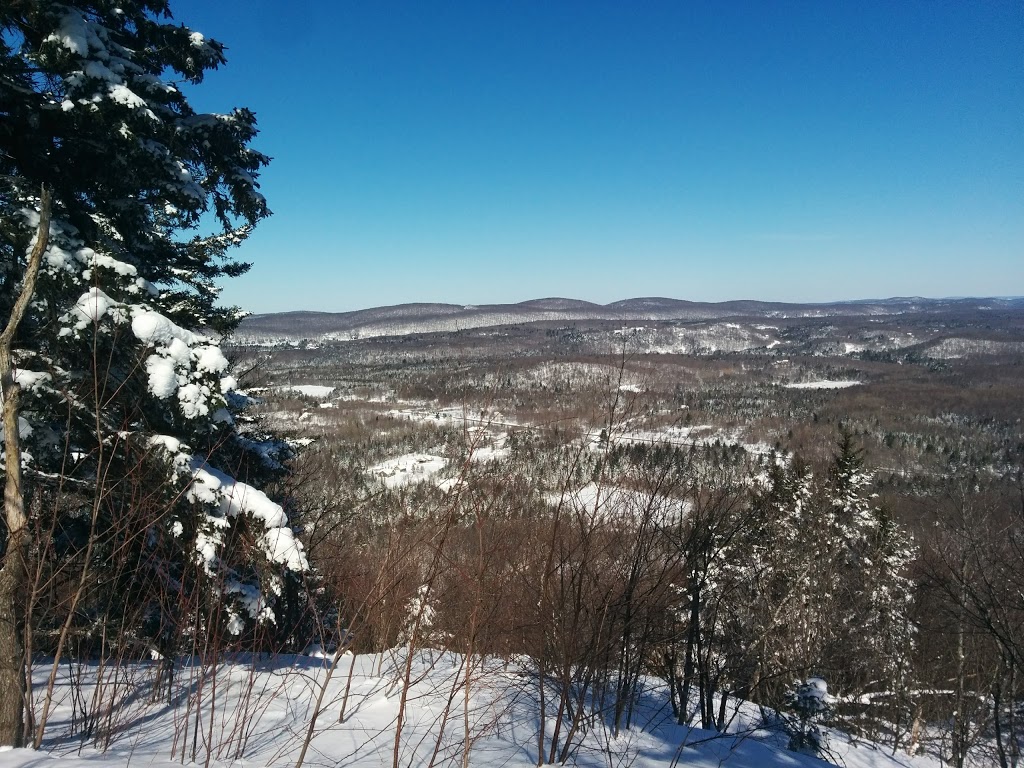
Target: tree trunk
692, 639
13, 578
14, 572
997, 719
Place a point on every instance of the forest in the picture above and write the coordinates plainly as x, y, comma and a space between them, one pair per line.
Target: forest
692, 517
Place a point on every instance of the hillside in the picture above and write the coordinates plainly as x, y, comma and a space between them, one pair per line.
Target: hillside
404, 319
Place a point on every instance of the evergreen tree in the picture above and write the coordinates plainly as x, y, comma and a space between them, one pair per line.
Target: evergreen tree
135, 459
874, 649
825, 587
785, 573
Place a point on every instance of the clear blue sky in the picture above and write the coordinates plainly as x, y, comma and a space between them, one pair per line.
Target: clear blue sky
498, 151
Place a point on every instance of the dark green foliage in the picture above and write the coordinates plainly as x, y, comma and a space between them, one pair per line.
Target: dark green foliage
128, 396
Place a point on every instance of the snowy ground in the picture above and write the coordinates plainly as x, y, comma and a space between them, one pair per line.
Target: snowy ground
408, 468
309, 390
259, 713
488, 444
490, 449
825, 384
610, 502
423, 411
703, 434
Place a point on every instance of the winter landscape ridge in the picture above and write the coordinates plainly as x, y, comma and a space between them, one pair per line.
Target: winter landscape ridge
655, 532
415, 396
427, 318
749, 383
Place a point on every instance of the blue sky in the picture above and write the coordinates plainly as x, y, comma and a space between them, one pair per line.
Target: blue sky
503, 151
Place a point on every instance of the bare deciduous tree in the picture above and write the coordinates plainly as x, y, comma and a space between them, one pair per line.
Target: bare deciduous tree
14, 572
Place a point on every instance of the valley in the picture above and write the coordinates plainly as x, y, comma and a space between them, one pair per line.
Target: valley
767, 481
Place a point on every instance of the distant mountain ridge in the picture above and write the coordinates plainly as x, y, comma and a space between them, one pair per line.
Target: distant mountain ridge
403, 319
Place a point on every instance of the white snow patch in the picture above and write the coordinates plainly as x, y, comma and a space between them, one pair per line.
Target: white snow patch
407, 469
211, 486
610, 502
211, 359
494, 452
75, 34
30, 380
153, 328
163, 381
824, 384
92, 306
309, 390
226, 498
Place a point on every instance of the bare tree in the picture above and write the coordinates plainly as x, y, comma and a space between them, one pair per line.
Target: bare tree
14, 572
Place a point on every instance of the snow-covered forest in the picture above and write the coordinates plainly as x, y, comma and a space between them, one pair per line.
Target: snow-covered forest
615, 520
519, 546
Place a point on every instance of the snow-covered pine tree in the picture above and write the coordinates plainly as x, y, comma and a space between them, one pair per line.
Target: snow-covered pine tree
786, 621
827, 589
877, 592
136, 472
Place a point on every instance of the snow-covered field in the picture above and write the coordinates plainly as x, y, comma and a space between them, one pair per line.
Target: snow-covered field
411, 468
423, 411
489, 449
408, 468
259, 713
612, 503
703, 434
309, 390
487, 444
824, 384
694, 339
